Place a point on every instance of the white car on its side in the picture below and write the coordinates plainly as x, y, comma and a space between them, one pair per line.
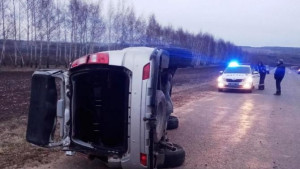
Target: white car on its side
240, 77
110, 105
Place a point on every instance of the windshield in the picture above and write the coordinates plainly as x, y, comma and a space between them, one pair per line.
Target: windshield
237, 70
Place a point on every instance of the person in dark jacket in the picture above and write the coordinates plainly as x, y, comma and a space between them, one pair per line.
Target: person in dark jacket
262, 72
278, 75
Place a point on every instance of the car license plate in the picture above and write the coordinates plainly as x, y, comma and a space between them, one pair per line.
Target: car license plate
233, 84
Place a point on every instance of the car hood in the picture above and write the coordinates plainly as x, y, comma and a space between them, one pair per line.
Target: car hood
234, 75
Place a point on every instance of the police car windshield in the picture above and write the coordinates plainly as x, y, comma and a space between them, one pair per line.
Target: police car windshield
237, 70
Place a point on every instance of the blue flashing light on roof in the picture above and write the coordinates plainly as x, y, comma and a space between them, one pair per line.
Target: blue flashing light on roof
233, 64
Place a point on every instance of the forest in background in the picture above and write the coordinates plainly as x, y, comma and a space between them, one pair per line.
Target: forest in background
270, 55
44, 33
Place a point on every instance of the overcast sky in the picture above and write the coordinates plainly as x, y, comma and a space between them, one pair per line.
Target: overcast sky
243, 22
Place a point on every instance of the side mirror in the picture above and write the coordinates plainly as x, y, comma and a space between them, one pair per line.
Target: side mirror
221, 72
255, 72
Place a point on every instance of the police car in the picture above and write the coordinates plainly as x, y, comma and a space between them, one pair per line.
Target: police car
237, 76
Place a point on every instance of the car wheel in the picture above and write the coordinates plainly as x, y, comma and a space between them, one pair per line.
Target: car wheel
174, 158
172, 123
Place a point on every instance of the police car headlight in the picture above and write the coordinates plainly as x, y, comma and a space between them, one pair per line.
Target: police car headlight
247, 86
220, 79
249, 80
221, 85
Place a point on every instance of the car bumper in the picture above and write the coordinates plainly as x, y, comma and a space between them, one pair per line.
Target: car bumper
235, 87
239, 86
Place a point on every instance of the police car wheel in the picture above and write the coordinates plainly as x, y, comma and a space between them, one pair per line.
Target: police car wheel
172, 123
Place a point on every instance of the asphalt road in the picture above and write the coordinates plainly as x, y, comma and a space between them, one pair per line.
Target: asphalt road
233, 130
243, 130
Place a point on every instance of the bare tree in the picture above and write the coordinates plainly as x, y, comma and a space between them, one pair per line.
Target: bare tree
34, 26
21, 3
50, 24
28, 31
41, 26
4, 31
15, 33
58, 22
117, 24
140, 31
131, 24
220, 51
97, 26
74, 7
56, 32
110, 15
153, 31
66, 30
82, 18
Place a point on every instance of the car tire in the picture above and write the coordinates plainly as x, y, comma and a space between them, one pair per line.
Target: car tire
174, 158
172, 123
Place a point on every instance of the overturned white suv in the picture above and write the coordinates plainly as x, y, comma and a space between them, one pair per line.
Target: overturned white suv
112, 105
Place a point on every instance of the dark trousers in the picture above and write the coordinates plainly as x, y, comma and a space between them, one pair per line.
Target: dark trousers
262, 78
278, 86
262, 81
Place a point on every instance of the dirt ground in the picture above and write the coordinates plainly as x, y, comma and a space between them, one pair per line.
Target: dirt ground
14, 101
15, 152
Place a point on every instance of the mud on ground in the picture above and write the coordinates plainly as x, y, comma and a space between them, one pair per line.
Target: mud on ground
15, 152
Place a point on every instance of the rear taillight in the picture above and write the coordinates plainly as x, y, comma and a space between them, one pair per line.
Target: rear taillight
143, 158
99, 58
146, 71
79, 61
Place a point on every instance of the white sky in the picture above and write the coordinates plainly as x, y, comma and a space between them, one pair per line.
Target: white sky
243, 22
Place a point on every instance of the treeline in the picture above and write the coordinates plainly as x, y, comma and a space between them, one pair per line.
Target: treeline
40, 33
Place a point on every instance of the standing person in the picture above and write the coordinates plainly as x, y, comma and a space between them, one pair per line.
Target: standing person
278, 75
262, 72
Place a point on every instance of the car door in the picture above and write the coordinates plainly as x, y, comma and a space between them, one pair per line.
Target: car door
47, 108
256, 78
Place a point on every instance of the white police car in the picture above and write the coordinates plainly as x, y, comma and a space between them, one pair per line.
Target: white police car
240, 77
